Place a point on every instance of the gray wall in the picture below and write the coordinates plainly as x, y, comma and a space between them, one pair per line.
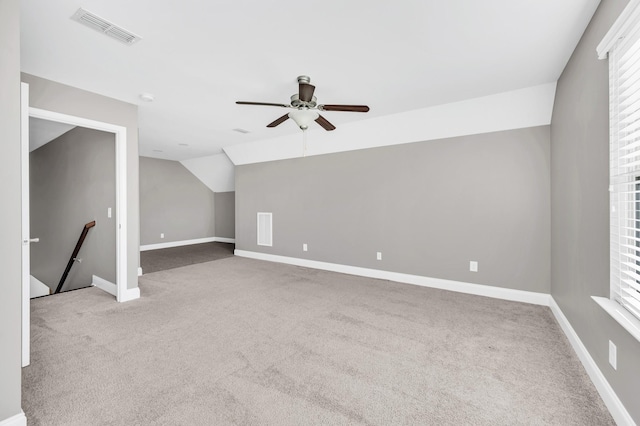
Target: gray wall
73, 181
429, 207
580, 207
174, 202
52, 96
225, 214
10, 225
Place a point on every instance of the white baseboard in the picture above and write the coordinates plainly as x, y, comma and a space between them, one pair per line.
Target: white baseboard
17, 420
129, 294
111, 288
104, 285
458, 286
176, 243
611, 400
186, 243
140, 273
226, 240
38, 288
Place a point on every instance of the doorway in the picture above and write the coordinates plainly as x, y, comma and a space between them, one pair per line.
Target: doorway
72, 188
121, 292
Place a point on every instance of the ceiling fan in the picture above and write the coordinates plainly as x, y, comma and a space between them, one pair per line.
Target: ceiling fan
305, 107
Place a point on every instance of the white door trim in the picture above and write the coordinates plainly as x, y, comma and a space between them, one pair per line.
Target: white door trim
121, 187
26, 251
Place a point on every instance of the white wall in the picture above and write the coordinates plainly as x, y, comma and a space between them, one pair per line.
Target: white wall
518, 109
10, 225
215, 171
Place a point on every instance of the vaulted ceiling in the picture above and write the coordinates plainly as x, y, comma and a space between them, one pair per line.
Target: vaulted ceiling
198, 57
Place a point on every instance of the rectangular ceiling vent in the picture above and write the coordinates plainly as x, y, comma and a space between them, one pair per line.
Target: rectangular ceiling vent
99, 24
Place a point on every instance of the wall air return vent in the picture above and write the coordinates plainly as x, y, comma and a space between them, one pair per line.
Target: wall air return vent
265, 229
99, 24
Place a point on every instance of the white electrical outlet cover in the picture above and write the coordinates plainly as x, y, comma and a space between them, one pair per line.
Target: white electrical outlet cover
304, 247
473, 266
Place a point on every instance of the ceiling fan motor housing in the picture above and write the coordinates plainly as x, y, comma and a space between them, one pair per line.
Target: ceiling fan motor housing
297, 103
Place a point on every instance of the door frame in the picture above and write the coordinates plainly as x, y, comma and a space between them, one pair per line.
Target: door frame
121, 290
26, 260
121, 185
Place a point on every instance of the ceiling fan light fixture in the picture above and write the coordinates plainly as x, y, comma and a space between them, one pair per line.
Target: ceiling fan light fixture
303, 117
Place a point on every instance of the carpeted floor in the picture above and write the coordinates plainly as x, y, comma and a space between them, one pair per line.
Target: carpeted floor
175, 257
246, 342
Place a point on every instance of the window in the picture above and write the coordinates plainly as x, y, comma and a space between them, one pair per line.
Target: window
624, 75
622, 44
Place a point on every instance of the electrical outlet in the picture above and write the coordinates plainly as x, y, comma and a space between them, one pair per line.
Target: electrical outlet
304, 247
162, 235
109, 212
473, 266
379, 255
613, 355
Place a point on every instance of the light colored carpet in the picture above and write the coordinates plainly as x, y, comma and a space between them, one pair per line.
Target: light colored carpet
245, 342
175, 257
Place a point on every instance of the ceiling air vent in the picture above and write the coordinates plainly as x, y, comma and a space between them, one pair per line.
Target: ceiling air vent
99, 24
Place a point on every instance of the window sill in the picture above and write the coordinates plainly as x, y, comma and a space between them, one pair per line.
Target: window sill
620, 314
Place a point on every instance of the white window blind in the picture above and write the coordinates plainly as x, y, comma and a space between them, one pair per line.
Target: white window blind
265, 231
624, 96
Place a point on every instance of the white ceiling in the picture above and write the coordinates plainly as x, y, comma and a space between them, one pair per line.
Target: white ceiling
197, 58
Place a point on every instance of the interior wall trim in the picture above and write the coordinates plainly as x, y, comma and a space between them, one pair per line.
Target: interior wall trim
225, 240
104, 285
37, 288
608, 395
186, 243
620, 28
120, 132
129, 294
457, 286
17, 420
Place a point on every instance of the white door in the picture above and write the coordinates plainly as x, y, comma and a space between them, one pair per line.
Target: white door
26, 238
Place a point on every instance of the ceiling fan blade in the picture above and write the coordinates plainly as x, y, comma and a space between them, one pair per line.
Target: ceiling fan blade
349, 108
279, 121
305, 92
262, 103
324, 123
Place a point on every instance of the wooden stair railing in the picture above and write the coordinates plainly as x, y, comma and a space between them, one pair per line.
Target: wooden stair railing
74, 255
